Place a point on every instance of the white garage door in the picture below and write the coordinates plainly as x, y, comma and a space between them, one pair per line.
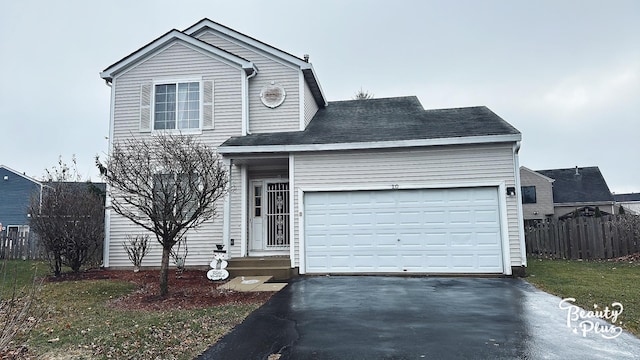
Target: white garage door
420, 231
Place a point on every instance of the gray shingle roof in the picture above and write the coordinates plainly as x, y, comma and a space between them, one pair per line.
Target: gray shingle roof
387, 119
568, 187
627, 197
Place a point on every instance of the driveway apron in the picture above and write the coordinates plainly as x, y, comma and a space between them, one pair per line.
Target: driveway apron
377, 317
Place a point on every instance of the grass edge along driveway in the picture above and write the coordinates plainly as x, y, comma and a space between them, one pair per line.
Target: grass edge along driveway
592, 283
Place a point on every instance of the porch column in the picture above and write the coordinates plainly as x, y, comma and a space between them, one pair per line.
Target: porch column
244, 213
226, 217
293, 214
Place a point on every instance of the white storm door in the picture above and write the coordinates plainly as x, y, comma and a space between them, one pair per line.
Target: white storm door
256, 222
270, 216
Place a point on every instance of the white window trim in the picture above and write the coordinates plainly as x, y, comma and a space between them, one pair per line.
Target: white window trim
165, 81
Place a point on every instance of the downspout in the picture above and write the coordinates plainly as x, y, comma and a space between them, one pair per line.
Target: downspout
523, 249
107, 200
247, 107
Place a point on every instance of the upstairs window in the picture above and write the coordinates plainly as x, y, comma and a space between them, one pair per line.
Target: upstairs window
177, 106
528, 194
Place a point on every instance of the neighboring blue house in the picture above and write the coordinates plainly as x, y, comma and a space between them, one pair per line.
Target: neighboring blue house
16, 192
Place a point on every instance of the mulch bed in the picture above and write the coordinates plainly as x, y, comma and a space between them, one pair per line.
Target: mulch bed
189, 290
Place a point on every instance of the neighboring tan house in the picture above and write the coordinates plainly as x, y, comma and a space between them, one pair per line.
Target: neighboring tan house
359, 186
537, 195
16, 192
630, 202
583, 189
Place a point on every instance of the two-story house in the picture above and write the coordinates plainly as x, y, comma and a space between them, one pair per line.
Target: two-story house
558, 193
359, 186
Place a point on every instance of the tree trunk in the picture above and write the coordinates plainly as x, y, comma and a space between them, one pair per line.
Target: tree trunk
164, 271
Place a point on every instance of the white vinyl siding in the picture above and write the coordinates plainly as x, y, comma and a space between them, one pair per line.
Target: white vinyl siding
310, 105
178, 61
200, 241
261, 118
432, 167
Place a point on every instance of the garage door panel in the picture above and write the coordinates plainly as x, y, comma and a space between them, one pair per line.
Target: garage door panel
340, 261
437, 262
437, 230
411, 241
317, 263
410, 218
461, 217
362, 240
436, 240
488, 217
383, 218
465, 239
488, 239
463, 261
434, 217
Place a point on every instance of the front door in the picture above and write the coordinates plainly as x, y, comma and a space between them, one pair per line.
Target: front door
269, 220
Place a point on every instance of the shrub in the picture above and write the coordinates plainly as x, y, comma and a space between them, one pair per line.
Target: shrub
69, 220
136, 247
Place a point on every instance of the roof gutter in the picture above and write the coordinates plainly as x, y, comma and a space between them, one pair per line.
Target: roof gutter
236, 149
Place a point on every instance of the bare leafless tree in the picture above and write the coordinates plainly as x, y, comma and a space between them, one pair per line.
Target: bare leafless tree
362, 95
167, 184
68, 218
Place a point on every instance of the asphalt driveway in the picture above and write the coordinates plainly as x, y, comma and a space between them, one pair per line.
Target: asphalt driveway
376, 317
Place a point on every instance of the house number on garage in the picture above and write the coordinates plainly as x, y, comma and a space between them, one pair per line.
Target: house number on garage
395, 186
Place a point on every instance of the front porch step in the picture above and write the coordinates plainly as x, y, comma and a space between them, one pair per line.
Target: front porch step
279, 267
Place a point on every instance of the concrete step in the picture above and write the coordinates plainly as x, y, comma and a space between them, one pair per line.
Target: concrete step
282, 261
277, 267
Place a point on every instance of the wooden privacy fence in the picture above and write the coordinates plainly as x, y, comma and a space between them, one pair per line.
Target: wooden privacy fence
604, 237
20, 246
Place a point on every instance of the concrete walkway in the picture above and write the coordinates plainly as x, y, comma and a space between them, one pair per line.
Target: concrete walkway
252, 283
362, 317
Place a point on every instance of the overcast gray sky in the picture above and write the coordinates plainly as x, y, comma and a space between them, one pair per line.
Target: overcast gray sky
565, 73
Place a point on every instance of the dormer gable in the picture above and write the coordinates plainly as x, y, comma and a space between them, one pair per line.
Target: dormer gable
535, 173
163, 41
241, 39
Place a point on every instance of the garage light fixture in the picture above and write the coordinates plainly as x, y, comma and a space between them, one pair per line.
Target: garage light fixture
511, 191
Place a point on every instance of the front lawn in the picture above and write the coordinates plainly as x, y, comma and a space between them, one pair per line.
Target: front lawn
592, 283
117, 315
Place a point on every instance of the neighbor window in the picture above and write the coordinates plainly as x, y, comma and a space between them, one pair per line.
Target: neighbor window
528, 194
177, 106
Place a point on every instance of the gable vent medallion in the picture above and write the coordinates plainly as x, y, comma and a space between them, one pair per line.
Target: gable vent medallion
272, 95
